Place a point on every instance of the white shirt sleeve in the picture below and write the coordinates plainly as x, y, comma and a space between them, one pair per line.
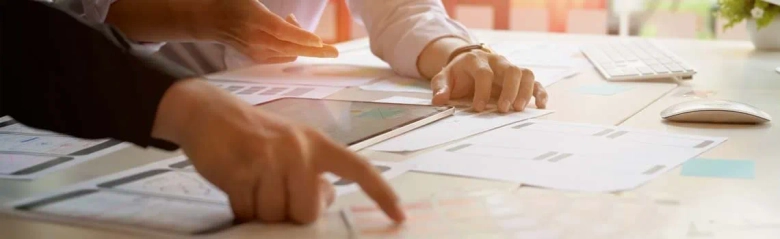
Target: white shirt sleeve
399, 30
97, 10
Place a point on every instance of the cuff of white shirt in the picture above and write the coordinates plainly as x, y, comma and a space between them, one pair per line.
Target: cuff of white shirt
97, 10
145, 49
415, 41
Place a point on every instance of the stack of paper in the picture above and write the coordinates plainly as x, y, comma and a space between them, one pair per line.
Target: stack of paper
167, 196
463, 123
256, 93
566, 156
522, 214
27, 153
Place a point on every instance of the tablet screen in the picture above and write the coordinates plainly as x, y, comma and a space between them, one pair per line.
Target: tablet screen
350, 122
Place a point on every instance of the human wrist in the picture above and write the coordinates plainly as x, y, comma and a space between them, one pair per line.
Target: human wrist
181, 107
434, 56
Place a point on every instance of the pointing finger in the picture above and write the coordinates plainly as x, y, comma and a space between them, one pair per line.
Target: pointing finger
338, 160
285, 31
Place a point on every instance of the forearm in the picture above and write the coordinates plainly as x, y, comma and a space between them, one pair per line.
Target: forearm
161, 20
415, 38
435, 55
182, 106
76, 80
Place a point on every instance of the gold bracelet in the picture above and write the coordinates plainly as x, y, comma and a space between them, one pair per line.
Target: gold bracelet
464, 49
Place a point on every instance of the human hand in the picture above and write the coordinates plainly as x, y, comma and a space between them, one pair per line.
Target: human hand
270, 169
485, 75
252, 29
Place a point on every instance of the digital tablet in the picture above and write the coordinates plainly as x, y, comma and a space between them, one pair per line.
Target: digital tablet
353, 123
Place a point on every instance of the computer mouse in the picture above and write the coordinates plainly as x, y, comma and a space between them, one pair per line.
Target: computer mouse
715, 111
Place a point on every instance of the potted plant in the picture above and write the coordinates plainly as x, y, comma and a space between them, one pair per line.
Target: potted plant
762, 20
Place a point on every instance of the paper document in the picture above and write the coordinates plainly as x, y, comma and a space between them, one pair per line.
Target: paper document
307, 71
184, 184
541, 54
396, 83
136, 210
543, 75
550, 62
27, 153
387, 169
461, 124
405, 100
10, 126
522, 214
256, 93
566, 156
167, 196
548, 76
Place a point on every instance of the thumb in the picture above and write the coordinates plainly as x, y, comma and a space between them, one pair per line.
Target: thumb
292, 20
442, 88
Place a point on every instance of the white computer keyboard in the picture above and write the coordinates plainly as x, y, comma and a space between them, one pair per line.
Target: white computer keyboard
636, 59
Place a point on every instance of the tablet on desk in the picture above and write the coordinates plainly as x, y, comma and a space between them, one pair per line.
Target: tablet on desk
354, 123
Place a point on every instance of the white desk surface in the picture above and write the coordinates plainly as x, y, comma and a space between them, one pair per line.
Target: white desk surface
731, 69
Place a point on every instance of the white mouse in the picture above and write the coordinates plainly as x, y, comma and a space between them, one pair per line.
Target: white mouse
715, 111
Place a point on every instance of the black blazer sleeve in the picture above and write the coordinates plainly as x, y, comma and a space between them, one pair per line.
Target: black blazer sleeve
63, 74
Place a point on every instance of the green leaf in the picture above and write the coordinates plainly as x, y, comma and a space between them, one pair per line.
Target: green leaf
769, 14
761, 4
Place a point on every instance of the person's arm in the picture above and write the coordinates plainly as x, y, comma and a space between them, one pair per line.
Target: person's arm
415, 38
60, 74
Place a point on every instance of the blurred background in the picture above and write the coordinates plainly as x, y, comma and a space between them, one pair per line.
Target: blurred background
646, 18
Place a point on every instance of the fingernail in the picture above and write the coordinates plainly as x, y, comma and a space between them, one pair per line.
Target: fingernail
503, 106
400, 214
330, 54
520, 105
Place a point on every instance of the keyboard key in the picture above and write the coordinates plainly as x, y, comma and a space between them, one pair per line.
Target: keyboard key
665, 60
646, 70
614, 72
650, 61
686, 67
609, 68
635, 59
623, 72
674, 67
659, 69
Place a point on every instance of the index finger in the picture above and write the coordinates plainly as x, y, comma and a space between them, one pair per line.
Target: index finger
279, 28
338, 160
